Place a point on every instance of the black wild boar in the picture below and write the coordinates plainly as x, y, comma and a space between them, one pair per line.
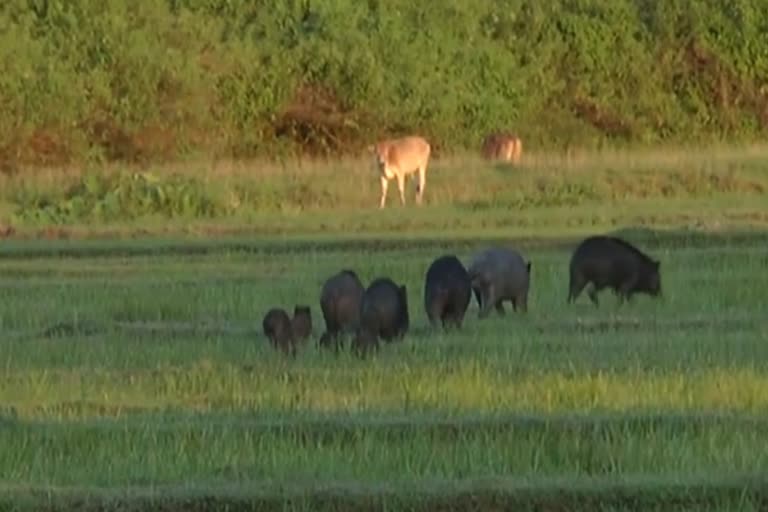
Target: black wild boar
447, 291
498, 274
340, 300
277, 328
301, 323
610, 262
383, 314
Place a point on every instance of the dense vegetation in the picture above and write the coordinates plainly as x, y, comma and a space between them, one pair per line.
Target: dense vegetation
159, 79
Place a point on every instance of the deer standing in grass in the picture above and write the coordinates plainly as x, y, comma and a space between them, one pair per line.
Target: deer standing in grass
503, 146
399, 158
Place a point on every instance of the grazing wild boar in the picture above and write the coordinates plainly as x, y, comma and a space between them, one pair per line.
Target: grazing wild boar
610, 262
507, 147
277, 328
400, 158
447, 291
340, 300
383, 314
498, 274
301, 323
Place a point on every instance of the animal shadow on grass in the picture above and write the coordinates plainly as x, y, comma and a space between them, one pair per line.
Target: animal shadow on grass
637, 325
183, 329
70, 330
505, 167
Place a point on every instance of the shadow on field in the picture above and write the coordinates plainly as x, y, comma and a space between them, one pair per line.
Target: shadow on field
68, 330
171, 329
646, 238
185, 328
313, 428
138, 328
631, 493
599, 326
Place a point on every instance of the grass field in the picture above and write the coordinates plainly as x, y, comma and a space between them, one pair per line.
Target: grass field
134, 376
549, 195
168, 173
137, 372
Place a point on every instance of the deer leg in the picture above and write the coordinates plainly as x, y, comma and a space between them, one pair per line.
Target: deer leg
401, 187
421, 184
384, 187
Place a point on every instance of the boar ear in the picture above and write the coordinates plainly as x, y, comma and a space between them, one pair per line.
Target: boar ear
403, 290
657, 264
528, 267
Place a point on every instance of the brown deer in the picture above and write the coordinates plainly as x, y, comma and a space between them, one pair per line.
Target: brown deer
399, 158
503, 146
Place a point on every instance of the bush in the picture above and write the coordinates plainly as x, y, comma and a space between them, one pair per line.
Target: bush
121, 197
158, 80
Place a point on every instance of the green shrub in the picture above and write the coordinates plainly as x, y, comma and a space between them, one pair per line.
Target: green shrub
161, 79
121, 197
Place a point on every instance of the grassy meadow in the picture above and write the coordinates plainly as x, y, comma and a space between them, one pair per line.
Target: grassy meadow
135, 374
171, 169
549, 195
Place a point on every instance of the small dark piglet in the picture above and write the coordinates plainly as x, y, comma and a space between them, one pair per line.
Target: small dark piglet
277, 328
610, 262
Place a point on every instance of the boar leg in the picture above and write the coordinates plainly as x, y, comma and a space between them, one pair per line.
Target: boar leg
478, 296
520, 301
488, 302
577, 284
625, 290
593, 295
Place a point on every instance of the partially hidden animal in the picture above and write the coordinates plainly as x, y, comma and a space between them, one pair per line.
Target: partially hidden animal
500, 274
611, 262
383, 315
301, 323
279, 331
340, 299
398, 159
507, 147
447, 291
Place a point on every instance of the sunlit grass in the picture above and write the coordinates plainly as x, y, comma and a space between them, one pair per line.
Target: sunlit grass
713, 187
142, 363
392, 388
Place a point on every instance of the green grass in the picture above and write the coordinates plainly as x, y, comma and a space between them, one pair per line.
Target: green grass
139, 365
739, 492
714, 188
202, 452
